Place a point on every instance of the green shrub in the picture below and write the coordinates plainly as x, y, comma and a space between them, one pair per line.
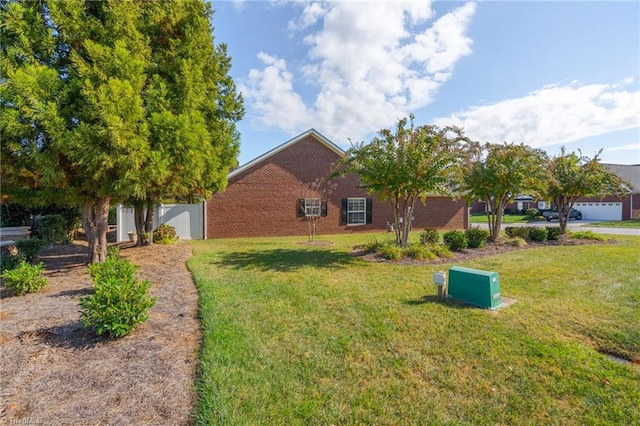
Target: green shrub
441, 251
373, 246
165, 234
25, 278
9, 261
553, 233
517, 242
532, 212
455, 240
113, 251
517, 231
420, 252
54, 229
391, 251
29, 249
476, 237
538, 234
119, 302
587, 235
430, 236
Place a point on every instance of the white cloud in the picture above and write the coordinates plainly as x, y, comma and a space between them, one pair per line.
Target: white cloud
552, 115
629, 147
370, 64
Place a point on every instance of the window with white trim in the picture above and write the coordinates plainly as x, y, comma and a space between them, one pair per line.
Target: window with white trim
312, 207
356, 211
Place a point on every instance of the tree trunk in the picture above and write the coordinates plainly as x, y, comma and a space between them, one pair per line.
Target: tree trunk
95, 221
138, 218
148, 223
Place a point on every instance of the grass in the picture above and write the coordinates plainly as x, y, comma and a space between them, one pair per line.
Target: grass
506, 219
633, 223
298, 334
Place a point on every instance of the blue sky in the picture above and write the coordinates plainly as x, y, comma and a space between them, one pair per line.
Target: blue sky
544, 73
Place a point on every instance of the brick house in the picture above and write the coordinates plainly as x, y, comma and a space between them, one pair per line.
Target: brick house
268, 197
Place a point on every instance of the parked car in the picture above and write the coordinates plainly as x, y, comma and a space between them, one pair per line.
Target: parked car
553, 214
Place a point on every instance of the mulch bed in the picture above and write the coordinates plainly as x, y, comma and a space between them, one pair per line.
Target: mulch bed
54, 371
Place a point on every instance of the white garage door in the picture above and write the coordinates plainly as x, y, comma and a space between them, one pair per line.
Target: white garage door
600, 210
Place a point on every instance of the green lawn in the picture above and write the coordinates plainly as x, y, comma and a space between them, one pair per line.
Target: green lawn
634, 223
296, 334
507, 218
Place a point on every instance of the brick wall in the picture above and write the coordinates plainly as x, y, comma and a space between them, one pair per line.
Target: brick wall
263, 200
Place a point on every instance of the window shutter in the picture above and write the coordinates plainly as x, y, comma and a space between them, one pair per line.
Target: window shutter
369, 211
300, 208
323, 208
343, 221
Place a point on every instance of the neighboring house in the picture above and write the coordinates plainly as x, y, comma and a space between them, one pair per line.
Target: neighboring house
266, 197
611, 207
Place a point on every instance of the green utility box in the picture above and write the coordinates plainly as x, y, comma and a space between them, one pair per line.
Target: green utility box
475, 287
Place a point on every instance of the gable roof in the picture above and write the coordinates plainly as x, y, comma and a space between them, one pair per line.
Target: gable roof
627, 172
311, 132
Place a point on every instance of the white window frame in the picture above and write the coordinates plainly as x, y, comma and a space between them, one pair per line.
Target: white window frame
312, 207
351, 212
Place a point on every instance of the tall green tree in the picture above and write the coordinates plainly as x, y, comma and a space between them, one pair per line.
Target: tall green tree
405, 165
192, 105
497, 173
73, 125
572, 176
96, 105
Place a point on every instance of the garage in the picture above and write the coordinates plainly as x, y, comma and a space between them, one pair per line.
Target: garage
600, 210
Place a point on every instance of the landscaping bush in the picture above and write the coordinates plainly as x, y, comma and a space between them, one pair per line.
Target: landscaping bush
28, 249
441, 250
476, 237
430, 236
517, 242
455, 240
532, 212
391, 251
538, 234
25, 278
553, 233
420, 252
165, 234
587, 235
517, 231
119, 303
9, 261
373, 246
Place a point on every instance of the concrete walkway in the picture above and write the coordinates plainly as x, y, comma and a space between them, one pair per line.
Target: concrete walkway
575, 225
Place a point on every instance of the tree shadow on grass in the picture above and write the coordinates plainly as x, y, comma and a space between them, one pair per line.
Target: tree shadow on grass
434, 299
284, 260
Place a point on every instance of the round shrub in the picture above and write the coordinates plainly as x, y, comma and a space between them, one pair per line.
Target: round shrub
476, 237
25, 278
119, 302
532, 212
429, 236
441, 250
29, 249
538, 234
553, 233
165, 234
517, 231
54, 229
455, 240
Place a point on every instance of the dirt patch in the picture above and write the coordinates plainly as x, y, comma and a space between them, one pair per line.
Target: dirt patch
489, 249
54, 371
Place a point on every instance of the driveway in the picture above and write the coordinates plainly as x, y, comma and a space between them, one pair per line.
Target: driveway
576, 225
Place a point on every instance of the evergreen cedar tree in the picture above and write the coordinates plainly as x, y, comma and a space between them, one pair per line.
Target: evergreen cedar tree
104, 102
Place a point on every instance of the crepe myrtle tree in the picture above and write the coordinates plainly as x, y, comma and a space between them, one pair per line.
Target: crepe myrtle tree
313, 203
573, 175
405, 164
497, 173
